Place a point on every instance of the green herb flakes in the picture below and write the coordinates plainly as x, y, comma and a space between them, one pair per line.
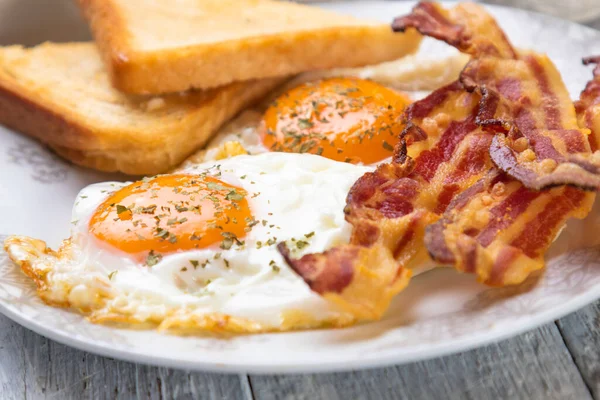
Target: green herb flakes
153, 258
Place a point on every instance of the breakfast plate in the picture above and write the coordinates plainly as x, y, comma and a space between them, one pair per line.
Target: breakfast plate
441, 312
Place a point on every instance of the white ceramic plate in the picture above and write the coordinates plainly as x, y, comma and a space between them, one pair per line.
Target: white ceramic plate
441, 312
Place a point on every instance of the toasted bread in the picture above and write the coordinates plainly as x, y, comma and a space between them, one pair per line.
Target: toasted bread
153, 46
61, 95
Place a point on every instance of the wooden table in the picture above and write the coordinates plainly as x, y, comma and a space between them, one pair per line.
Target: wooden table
560, 360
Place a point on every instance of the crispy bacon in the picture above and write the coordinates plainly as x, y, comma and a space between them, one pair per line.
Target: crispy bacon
331, 273
364, 275
524, 100
467, 27
442, 179
442, 152
500, 230
538, 140
500, 227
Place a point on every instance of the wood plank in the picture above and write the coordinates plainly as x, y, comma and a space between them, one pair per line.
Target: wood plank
12, 365
34, 367
581, 332
535, 365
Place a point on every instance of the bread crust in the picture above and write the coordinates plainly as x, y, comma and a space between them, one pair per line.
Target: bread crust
24, 114
211, 65
140, 142
167, 154
112, 38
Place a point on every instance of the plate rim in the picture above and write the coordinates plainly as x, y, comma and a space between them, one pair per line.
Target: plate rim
436, 351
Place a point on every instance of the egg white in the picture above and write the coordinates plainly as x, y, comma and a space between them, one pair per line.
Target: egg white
304, 193
300, 197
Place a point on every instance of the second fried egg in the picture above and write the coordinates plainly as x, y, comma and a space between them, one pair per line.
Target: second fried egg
348, 115
343, 119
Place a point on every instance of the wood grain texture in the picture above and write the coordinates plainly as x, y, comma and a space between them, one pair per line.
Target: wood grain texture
535, 365
531, 366
581, 332
33, 367
12, 361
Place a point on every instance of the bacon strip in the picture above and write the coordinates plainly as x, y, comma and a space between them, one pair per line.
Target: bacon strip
360, 280
500, 230
363, 276
442, 152
524, 99
443, 181
538, 140
467, 27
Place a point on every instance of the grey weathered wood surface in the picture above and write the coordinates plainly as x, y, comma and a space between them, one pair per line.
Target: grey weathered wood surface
557, 361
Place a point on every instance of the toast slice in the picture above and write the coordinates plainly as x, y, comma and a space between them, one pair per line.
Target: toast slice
154, 46
61, 95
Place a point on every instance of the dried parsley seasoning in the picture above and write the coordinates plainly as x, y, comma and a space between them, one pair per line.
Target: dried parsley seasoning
226, 243
300, 244
146, 210
388, 146
153, 258
233, 195
304, 123
229, 238
274, 266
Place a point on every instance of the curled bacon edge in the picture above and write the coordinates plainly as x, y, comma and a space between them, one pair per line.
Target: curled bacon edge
541, 151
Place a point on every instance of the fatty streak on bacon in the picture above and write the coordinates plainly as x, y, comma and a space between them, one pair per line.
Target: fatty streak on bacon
441, 153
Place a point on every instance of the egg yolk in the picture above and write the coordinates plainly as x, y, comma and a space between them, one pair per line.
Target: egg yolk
344, 119
171, 213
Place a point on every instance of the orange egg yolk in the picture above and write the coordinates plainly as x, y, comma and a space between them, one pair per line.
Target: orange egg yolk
172, 213
344, 119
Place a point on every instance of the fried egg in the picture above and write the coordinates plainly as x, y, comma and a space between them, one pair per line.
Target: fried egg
343, 119
351, 115
197, 249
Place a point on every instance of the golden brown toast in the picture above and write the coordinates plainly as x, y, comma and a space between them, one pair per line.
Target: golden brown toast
155, 46
61, 95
